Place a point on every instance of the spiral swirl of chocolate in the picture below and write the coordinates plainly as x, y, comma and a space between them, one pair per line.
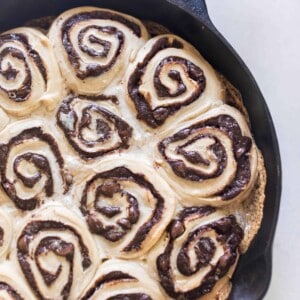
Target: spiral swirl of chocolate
177, 81
49, 244
28, 71
91, 128
213, 150
95, 42
112, 202
8, 54
27, 173
198, 253
120, 279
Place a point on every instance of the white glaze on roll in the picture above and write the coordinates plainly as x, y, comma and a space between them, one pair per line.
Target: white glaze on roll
170, 77
210, 174
127, 205
56, 253
32, 167
122, 279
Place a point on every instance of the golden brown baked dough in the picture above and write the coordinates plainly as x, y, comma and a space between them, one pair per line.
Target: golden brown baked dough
128, 167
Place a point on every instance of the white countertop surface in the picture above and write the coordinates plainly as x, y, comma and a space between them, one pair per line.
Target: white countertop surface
266, 34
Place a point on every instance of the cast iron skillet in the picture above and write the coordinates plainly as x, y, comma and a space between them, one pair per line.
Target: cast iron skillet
189, 19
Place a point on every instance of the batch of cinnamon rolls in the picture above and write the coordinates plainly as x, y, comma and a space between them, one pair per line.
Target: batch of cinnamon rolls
127, 165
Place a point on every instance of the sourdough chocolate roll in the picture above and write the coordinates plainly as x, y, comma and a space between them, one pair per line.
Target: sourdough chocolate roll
93, 125
169, 77
211, 159
94, 46
32, 168
200, 250
29, 74
56, 253
119, 279
127, 206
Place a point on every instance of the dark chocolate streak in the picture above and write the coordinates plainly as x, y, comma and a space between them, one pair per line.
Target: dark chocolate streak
241, 148
104, 129
112, 278
39, 161
229, 235
10, 291
49, 244
1, 236
93, 69
118, 175
23, 93
157, 117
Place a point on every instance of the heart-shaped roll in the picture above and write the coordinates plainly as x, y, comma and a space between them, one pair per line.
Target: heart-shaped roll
32, 167
127, 205
56, 253
94, 46
118, 279
210, 160
93, 125
200, 249
29, 74
168, 76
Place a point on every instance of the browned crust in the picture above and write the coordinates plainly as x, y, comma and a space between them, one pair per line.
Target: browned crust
233, 97
253, 206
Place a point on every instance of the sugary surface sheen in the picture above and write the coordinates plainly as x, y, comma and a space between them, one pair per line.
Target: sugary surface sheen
126, 171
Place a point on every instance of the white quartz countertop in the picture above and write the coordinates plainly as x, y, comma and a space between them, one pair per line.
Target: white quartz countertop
266, 34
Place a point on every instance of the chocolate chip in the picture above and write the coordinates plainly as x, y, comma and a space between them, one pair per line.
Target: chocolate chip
113, 235
161, 113
108, 211
94, 224
133, 214
110, 187
23, 243
176, 229
65, 249
124, 223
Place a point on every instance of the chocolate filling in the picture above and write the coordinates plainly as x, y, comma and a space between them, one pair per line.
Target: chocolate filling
135, 296
94, 70
46, 245
1, 236
10, 291
39, 161
228, 234
113, 233
156, 117
105, 124
23, 93
241, 148
114, 278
